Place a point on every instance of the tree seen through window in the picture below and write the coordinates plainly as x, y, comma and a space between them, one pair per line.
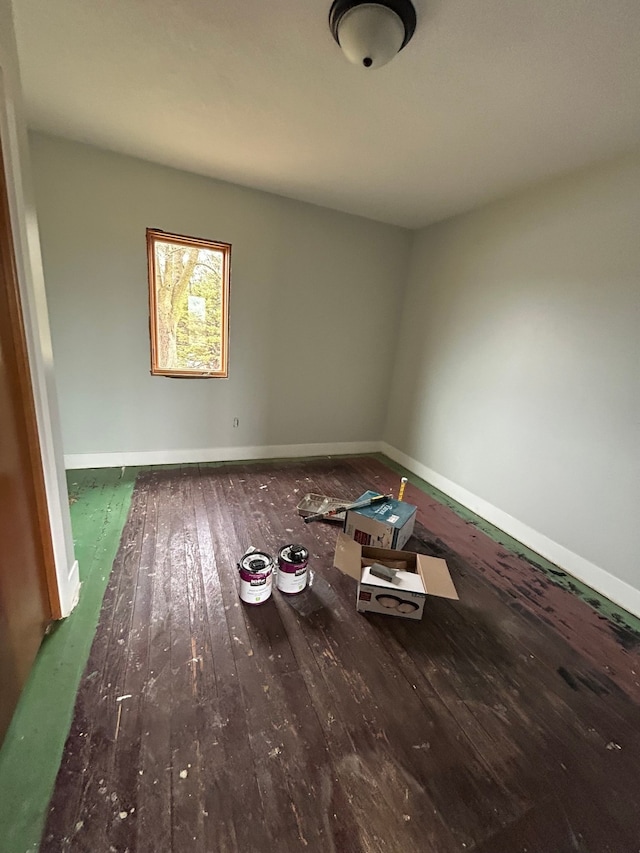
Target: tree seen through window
189, 303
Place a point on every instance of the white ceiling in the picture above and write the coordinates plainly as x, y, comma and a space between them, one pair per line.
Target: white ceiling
488, 96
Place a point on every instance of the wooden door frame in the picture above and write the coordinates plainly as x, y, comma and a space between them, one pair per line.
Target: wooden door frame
22, 388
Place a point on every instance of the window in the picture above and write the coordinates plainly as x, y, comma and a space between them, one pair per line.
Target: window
189, 305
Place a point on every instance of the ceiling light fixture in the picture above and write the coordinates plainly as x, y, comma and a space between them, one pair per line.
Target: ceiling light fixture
370, 34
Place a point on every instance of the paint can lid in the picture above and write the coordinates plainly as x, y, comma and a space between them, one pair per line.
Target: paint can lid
294, 553
256, 562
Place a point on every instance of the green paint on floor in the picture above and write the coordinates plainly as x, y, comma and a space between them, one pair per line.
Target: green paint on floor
30, 755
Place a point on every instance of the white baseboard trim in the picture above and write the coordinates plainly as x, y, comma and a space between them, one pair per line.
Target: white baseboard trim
70, 591
599, 579
216, 454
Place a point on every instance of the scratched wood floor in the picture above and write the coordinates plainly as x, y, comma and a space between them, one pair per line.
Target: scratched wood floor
506, 722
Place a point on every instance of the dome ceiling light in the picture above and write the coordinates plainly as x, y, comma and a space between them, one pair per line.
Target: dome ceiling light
370, 34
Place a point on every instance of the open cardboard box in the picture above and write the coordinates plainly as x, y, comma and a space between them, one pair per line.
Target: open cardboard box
419, 576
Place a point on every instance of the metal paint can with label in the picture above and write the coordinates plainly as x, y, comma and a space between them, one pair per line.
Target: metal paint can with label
256, 577
291, 576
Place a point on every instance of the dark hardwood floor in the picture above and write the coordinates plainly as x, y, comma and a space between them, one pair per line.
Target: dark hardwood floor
505, 722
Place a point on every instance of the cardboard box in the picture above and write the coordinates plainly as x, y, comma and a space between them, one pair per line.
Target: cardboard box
388, 524
422, 577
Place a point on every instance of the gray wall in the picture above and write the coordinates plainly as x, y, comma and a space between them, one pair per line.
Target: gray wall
315, 303
517, 373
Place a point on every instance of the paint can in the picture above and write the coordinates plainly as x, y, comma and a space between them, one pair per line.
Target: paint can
291, 576
256, 576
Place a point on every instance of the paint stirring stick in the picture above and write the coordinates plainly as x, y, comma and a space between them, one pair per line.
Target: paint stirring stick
358, 505
403, 483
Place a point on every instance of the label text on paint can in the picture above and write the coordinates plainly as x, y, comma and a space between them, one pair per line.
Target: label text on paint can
256, 575
291, 574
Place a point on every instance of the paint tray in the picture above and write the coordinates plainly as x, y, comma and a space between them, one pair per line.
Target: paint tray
312, 504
